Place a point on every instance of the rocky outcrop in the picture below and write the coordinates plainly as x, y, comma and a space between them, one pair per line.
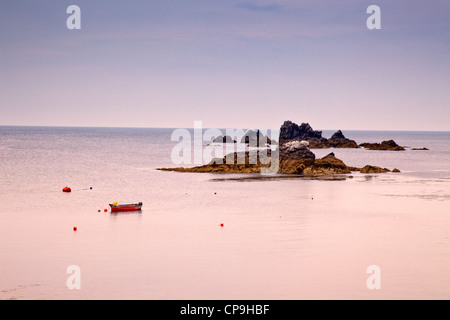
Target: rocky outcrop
327, 165
242, 162
370, 169
338, 140
291, 131
420, 148
389, 145
294, 157
374, 169
224, 139
293, 154
252, 138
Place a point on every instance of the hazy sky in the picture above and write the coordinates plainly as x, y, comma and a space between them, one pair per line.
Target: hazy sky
228, 63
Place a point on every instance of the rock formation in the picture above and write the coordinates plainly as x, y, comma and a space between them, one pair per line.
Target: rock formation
252, 139
294, 157
327, 165
338, 140
292, 131
374, 169
222, 139
293, 154
389, 145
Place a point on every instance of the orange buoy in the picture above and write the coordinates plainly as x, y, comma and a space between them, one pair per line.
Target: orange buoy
106, 210
75, 228
67, 189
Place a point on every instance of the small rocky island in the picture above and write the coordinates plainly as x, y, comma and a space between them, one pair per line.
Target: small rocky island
389, 145
294, 155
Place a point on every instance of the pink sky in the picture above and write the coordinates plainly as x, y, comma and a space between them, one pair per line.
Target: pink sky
229, 64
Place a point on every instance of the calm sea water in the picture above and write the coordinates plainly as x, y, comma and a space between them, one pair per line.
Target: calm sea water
281, 238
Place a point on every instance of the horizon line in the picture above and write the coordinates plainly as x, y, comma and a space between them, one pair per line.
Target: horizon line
125, 127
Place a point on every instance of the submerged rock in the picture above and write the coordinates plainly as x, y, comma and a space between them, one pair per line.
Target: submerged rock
374, 169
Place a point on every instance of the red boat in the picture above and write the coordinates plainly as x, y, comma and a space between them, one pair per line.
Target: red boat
125, 207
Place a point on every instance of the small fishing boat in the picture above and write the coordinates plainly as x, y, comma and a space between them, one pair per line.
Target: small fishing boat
125, 207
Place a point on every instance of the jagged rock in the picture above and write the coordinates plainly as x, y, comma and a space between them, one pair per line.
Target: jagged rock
338, 140
389, 145
292, 131
338, 135
395, 170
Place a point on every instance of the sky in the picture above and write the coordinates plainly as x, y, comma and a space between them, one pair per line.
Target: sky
227, 63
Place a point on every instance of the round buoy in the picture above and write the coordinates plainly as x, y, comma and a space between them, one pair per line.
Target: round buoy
67, 189
221, 224
215, 192
75, 228
90, 188
106, 210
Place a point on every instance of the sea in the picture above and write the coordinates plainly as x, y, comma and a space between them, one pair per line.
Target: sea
218, 236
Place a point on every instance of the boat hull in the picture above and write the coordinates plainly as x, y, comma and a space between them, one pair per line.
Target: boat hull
126, 207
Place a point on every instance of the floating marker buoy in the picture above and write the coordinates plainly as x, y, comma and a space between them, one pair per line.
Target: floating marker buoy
221, 224
90, 188
106, 210
215, 192
67, 189
75, 228
99, 210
